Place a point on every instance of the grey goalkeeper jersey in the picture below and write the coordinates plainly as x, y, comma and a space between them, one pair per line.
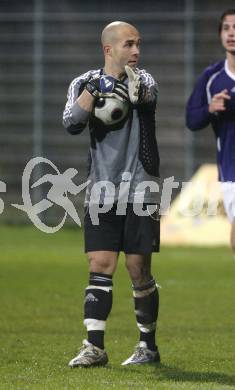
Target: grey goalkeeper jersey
123, 158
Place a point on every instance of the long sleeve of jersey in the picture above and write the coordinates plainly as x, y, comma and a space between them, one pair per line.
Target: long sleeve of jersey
197, 113
149, 88
75, 118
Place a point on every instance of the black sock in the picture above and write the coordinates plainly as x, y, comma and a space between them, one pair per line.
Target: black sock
96, 337
146, 301
149, 338
97, 306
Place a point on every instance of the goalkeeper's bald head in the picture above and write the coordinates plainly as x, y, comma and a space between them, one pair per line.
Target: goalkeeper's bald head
112, 31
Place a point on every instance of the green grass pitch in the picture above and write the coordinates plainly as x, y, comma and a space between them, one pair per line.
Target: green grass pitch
42, 281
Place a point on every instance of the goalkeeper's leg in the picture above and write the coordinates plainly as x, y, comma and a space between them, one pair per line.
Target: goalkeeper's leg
146, 298
98, 295
97, 306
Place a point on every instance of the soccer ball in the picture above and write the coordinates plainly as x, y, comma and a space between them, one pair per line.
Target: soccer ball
110, 110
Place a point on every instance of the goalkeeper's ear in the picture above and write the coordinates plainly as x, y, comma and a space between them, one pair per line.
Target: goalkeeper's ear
107, 49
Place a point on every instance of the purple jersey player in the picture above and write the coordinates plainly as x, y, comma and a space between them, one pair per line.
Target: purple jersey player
213, 102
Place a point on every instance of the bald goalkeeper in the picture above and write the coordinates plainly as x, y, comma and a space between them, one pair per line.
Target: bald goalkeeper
124, 152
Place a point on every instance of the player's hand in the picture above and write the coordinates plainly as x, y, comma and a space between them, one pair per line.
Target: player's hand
218, 102
107, 86
133, 84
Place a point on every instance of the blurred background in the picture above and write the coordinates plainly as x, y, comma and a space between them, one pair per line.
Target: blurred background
45, 44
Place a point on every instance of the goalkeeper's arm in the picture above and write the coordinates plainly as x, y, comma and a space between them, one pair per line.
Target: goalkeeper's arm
78, 107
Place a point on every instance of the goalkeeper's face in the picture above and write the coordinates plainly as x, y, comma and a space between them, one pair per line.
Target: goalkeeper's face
126, 48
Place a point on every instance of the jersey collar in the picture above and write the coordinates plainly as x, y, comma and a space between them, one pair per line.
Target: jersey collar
229, 73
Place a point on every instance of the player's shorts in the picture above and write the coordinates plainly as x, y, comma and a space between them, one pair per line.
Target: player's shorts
129, 233
228, 190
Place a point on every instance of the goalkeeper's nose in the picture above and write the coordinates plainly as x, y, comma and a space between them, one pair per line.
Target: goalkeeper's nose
136, 50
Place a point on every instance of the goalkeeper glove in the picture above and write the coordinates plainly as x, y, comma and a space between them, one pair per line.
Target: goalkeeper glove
107, 86
133, 84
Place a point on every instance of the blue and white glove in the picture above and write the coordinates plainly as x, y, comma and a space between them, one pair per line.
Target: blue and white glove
107, 86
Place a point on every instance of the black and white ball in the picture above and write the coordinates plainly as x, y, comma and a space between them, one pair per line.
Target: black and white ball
110, 110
